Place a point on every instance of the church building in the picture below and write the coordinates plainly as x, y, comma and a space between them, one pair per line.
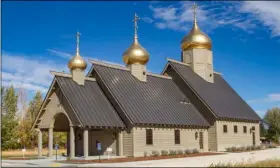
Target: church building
131, 112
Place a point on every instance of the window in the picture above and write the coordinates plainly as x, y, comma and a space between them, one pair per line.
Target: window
149, 136
177, 136
244, 129
235, 128
225, 128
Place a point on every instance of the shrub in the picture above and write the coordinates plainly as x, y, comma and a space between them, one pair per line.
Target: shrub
187, 151
242, 148
248, 148
155, 153
259, 147
195, 151
180, 152
172, 152
164, 152
234, 149
271, 146
145, 154
229, 149
254, 147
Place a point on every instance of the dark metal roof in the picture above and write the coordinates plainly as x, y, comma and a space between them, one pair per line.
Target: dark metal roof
219, 96
90, 104
157, 101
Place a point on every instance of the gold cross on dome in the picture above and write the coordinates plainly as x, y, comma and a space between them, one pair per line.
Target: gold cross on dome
194, 7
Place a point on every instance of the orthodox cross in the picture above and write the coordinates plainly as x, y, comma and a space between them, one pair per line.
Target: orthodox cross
194, 7
136, 18
78, 42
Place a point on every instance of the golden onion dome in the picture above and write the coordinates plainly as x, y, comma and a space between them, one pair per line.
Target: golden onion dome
77, 62
135, 54
196, 38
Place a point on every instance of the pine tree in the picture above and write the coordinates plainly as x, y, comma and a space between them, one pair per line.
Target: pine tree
9, 121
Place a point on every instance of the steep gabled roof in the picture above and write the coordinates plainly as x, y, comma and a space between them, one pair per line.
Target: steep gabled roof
157, 101
90, 105
223, 101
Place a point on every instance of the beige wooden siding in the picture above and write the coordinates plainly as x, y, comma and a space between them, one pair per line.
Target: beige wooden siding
105, 137
238, 139
54, 107
163, 139
212, 136
128, 143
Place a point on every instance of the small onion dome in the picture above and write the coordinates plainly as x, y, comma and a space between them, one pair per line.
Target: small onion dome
135, 54
196, 39
77, 62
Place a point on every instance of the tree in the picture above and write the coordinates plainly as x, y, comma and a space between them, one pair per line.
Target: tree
28, 137
9, 121
272, 118
34, 106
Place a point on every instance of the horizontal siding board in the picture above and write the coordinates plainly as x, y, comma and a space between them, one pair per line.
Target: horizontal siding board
157, 101
219, 96
89, 103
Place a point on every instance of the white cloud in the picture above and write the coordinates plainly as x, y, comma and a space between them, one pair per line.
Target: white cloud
60, 53
30, 73
273, 97
243, 15
267, 12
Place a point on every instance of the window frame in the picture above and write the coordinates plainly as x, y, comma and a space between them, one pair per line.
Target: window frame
235, 126
225, 130
149, 138
176, 136
245, 129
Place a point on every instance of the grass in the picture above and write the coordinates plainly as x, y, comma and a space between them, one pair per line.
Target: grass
265, 163
30, 153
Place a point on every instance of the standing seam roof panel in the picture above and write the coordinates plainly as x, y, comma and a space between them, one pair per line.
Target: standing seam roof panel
219, 96
157, 101
90, 104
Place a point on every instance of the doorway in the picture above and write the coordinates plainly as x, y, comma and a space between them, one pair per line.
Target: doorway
201, 140
254, 138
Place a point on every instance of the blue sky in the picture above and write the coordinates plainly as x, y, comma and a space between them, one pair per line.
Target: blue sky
40, 36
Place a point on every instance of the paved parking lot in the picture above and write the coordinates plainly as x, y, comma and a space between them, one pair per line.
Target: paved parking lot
202, 161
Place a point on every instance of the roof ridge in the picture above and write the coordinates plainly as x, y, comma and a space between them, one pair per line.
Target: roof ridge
218, 73
182, 63
62, 74
158, 75
98, 62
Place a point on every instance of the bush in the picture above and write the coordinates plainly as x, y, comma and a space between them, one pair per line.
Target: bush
155, 153
259, 147
164, 152
254, 147
248, 148
145, 154
172, 152
195, 151
243, 148
187, 151
180, 152
234, 149
271, 146
229, 149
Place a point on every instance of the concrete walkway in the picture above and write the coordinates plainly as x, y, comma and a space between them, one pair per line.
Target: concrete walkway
202, 161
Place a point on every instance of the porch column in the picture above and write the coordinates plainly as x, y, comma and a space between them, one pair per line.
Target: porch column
72, 143
85, 143
39, 143
50, 142
120, 143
